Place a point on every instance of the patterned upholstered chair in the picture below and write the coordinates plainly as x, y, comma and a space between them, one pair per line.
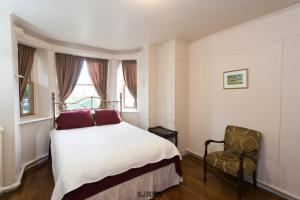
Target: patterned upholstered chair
239, 158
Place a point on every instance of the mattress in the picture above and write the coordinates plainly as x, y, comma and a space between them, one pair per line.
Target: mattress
89, 155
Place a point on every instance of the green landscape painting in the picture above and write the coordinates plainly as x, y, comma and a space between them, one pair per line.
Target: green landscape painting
235, 79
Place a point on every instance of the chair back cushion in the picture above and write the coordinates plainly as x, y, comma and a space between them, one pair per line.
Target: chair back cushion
242, 140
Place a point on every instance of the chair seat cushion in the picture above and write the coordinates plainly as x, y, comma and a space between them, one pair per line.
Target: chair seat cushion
230, 163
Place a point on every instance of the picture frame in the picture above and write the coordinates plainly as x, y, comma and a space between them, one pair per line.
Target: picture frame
235, 79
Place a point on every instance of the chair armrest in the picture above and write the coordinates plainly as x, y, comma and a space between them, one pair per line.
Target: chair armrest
207, 142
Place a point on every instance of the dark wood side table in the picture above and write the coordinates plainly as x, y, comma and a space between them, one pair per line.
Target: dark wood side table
165, 133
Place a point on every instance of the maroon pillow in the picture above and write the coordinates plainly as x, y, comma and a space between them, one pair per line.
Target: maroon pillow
106, 116
74, 119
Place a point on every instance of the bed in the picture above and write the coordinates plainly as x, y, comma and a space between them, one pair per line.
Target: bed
110, 162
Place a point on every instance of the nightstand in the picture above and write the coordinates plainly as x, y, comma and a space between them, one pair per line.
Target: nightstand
165, 133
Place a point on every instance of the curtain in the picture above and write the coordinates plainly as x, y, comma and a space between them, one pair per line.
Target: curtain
129, 73
25, 63
68, 69
98, 69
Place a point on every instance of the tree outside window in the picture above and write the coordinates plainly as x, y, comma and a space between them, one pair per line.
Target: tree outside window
27, 103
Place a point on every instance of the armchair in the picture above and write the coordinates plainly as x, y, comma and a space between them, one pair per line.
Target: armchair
239, 158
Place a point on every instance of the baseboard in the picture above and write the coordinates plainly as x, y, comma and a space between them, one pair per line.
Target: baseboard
194, 154
260, 183
183, 152
276, 190
25, 167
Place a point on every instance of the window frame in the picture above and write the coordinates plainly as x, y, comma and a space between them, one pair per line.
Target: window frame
31, 101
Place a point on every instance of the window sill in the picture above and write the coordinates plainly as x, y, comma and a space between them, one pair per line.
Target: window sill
29, 120
126, 110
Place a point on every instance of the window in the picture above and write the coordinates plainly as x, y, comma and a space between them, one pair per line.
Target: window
27, 103
84, 88
128, 100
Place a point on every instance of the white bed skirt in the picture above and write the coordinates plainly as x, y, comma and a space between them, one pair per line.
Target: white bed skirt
142, 187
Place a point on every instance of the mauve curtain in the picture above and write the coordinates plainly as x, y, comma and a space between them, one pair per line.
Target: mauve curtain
98, 69
25, 63
68, 69
129, 73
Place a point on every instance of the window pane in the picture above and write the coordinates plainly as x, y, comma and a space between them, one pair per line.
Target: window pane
89, 90
80, 92
26, 106
83, 89
84, 77
128, 99
27, 102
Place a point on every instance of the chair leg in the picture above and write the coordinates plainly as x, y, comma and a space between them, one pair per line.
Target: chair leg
205, 169
240, 184
254, 179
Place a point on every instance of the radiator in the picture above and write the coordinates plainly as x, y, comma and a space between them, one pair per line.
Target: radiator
1, 156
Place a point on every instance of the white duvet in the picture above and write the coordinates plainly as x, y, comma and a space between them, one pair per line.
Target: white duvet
90, 154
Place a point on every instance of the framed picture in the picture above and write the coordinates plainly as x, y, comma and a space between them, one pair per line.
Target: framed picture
237, 79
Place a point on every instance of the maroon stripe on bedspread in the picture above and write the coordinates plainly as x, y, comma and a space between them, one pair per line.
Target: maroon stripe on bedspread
90, 189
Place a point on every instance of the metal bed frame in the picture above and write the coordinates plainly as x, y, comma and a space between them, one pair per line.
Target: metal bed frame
111, 104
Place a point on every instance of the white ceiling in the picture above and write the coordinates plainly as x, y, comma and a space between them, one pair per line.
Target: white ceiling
128, 24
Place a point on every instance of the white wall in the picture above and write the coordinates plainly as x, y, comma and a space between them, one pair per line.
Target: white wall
269, 48
132, 118
35, 140
289, 164
42, 83
9, 99
111, 79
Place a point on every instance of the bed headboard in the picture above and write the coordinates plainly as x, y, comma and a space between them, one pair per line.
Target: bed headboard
116, 104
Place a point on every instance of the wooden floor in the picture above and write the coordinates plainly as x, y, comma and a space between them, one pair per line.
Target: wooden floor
38, 184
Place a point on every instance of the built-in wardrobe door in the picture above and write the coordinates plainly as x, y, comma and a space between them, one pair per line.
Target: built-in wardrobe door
289, 162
